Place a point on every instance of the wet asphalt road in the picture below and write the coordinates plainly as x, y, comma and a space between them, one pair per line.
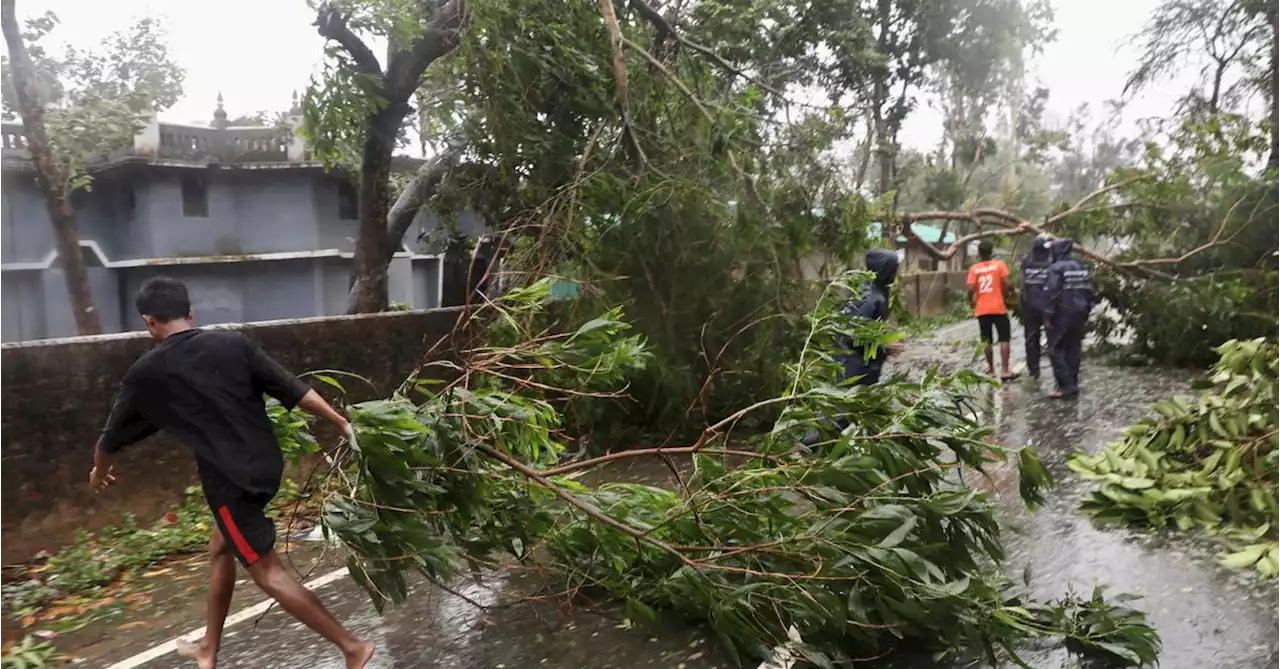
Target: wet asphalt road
442, 631
1209, 617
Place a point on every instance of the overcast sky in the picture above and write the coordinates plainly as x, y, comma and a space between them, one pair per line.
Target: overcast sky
256, 52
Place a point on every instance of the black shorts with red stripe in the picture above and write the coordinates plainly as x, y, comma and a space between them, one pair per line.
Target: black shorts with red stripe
241, 515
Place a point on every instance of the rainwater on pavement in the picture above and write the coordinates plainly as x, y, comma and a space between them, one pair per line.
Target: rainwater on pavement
1208, 617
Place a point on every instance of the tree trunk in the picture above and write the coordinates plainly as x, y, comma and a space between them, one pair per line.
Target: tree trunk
405, 65
400, 217
864, 153
50, 176
880, 99
373, 245
1273, 160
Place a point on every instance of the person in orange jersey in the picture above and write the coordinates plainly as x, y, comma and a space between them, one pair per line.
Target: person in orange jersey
988, 280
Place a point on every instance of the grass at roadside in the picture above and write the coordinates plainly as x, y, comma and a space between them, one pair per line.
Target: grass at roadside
922, 325
99, 576
31, 653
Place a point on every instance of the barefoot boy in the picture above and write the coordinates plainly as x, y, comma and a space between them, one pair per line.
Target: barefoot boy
205, 387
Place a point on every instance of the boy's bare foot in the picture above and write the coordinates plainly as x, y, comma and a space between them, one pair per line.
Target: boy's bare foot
358, 657
205, 657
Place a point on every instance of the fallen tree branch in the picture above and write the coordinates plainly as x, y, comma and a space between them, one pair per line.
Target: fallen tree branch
1216, 240
1011, 225
582, 506
643, 452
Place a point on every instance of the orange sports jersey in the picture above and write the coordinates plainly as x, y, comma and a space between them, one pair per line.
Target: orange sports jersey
987, 280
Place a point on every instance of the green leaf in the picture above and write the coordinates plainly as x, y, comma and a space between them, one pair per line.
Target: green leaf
1120, 652
1245, 558
896, 537
1136, 483
331, 381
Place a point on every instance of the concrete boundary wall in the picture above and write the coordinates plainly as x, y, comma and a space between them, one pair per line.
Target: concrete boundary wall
55, 395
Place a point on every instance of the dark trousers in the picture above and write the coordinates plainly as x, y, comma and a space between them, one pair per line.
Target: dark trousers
1065, 342
1032, 323
854, 365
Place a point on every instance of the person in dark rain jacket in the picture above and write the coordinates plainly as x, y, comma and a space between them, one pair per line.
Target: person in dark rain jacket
872, 302
1068, 299
1035, 271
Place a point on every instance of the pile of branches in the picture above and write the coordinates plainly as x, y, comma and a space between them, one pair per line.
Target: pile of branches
1210, 464
873, 547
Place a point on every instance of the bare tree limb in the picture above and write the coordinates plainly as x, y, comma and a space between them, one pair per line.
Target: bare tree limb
405, 68
331, 24
620, 76
665, 28
1012, 225
955, 247
1079, 205
1216, 240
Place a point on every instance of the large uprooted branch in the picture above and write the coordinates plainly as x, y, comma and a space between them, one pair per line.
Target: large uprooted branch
1007, 224
873, 545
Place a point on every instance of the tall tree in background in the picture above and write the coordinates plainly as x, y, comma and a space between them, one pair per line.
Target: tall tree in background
1271, 77
1234, 45
50, 173
979, 75
354, 112
908, 36
981, 66
77, 108
1227, 41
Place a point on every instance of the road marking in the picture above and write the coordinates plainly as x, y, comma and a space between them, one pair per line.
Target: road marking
239, 617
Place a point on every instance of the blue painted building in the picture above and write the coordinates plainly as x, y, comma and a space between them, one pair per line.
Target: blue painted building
256, 229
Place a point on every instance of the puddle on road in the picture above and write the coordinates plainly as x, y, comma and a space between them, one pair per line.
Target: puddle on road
1208, 616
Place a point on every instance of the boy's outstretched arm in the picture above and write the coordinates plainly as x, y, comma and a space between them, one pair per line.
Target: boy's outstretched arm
124, 426
100, 476
315, 405
289, 389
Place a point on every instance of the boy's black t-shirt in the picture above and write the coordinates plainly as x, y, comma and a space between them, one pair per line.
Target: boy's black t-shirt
206, 388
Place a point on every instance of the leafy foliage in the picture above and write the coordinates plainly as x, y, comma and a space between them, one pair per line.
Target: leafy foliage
335, 108
1211, 464
1094, 626
31, 653
691, 207
93, 98
293, 431
872, 547
1194, 202
97, 560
